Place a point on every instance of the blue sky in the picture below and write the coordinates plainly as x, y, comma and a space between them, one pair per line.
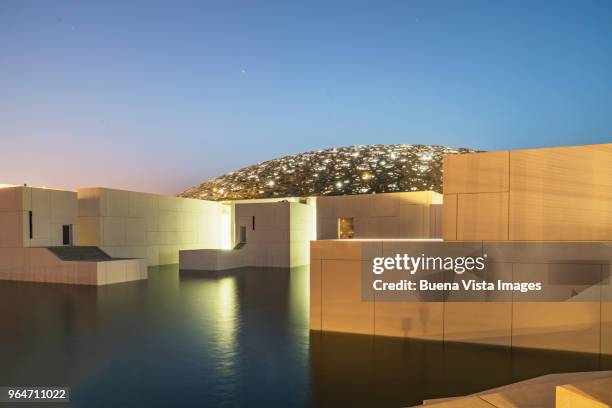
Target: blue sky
159, 96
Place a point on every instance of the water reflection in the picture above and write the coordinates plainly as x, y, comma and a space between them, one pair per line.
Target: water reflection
225, 331
389, 372
247, 319
236, 338
218, 299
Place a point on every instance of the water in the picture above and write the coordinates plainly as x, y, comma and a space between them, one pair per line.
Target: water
231, 339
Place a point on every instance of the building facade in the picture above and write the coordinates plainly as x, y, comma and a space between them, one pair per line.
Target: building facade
552, 194
268, 234
150, 226
537, 214
37, 237
389, 215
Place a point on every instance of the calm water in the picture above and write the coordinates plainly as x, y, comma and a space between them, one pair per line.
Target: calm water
231, 339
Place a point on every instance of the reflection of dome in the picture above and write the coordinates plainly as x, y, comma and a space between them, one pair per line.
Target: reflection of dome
342, 170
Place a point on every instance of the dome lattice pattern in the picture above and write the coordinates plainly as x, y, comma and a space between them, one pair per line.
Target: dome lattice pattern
338, 171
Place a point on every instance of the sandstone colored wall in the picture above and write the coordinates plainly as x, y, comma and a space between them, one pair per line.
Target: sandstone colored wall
150, 226
41, 265
281, 238
51, 209
552, 194
336, 303
387, 215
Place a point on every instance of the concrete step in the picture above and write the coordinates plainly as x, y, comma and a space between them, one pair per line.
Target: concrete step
595, 393
576, 390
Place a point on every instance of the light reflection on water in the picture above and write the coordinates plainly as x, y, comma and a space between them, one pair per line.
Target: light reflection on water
235, 338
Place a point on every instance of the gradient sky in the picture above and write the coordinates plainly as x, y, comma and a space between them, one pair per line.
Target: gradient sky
159, 96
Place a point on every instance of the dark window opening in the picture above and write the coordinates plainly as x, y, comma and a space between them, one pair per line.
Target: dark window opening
31, 229
66, 234
242, 234
253, 223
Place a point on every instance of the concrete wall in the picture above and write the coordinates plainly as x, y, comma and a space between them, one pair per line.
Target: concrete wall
282, 233
25, 259
555, 194
281, 238
154, 227
212, 259
11, 217
302, 231
41, 265
51, 209
267, 244
581, 326
388, 215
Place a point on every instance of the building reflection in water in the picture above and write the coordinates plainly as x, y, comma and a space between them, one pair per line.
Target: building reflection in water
252, 322
237, 338
391, 372
213, 310
226, 321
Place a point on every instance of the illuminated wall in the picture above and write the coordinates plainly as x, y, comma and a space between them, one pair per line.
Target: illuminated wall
281, 234
155, 227
277, 233
582, 324
302, 219
553, 194
386, 215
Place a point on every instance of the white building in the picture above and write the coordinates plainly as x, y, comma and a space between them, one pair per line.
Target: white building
38, 228
98, 227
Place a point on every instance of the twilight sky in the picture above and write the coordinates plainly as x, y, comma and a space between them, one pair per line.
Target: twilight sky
159, 96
